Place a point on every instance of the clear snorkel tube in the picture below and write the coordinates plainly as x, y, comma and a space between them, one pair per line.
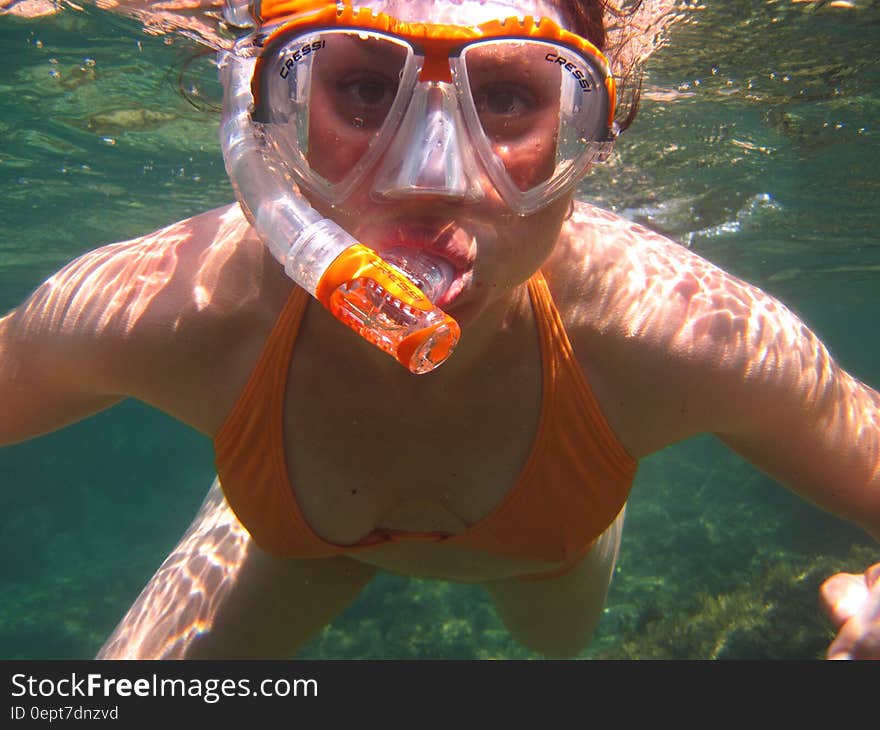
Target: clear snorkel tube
378, 300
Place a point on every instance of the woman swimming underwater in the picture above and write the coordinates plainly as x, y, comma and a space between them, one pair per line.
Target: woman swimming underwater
442, 141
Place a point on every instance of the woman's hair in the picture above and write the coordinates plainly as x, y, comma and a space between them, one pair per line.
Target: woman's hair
607, 26
587, 18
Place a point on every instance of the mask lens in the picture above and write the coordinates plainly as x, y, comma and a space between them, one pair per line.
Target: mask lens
540, 108
329, 96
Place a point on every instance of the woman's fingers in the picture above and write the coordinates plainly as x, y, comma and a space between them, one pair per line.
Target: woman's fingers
852, 603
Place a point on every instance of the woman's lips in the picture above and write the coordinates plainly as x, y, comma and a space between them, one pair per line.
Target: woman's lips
458, 285
447, 241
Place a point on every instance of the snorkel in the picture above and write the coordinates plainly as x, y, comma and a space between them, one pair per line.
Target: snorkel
388, 304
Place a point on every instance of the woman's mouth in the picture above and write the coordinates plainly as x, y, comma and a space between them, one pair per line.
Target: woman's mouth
434, 275
438, 258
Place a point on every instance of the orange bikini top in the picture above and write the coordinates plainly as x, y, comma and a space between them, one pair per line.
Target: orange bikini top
575, 481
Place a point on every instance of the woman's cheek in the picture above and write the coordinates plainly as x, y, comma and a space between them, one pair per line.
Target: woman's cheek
335, 146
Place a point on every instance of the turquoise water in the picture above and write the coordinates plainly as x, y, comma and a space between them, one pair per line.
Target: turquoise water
756, 145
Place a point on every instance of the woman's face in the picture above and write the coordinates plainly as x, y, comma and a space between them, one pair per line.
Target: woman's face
491, 249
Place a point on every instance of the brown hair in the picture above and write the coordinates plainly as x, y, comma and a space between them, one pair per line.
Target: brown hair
592, 19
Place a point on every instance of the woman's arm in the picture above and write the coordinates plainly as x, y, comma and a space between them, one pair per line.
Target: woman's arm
61, 351
56, 348
175, 319
43, 386
680, 347
93, 331
797, 415
783, 403
816, 429
705, 351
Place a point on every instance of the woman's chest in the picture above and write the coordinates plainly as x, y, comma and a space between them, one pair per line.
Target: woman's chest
362, 458
410, 478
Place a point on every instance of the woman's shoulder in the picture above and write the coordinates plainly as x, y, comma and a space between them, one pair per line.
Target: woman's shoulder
615, 275
654, 323
205, 266
600, 243
176, 307
198, 286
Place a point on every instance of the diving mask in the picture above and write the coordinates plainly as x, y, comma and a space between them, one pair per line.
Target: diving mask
343, 93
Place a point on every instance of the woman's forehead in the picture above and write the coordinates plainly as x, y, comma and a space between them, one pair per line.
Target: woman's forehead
462, 12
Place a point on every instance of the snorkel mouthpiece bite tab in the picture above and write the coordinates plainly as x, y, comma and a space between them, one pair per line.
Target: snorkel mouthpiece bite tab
380, 303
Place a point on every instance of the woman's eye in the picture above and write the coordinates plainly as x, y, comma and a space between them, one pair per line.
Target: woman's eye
506, 111
502, 100
370, 91
365, 99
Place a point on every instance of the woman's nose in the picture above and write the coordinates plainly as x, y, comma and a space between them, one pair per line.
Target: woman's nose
429, 155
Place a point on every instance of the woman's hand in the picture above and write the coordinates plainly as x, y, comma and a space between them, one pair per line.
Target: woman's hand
852, 602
